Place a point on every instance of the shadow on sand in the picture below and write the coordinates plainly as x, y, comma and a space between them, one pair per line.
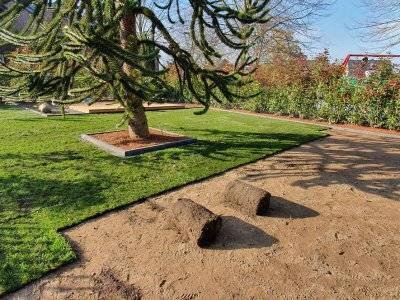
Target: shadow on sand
238, 234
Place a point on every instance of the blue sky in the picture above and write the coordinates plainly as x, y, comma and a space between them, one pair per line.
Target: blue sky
337, 34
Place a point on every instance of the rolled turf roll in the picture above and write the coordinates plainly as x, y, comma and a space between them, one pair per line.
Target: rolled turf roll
246, 198
194, 221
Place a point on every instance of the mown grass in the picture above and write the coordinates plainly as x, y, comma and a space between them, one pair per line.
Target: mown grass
50, 180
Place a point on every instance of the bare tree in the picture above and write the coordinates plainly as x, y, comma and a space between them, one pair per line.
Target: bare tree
381, 23
291, 26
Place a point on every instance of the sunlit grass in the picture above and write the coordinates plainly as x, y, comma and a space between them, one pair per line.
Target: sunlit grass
49, 179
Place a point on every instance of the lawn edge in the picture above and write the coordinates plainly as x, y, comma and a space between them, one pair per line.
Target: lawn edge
142, 200
364, 130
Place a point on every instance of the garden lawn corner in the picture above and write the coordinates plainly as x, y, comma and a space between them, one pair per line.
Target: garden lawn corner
50, 180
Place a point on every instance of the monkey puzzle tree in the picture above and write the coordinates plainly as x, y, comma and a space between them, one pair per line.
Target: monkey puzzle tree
100, 39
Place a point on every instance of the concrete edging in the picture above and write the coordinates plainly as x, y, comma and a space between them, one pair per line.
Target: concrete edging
116, 151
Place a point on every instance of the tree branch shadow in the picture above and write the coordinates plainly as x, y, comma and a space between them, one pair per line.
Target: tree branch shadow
369, 165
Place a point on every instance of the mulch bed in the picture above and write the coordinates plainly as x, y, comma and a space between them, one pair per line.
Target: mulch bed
121, 139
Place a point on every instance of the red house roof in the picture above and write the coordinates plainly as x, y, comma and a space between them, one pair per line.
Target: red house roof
349, 56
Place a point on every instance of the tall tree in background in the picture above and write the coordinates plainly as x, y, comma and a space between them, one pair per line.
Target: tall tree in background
276, 42
64, 39
291, 27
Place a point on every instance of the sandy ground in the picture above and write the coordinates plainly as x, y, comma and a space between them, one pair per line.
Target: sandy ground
333, 233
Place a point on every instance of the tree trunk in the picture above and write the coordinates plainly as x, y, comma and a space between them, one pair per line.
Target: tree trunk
138, 127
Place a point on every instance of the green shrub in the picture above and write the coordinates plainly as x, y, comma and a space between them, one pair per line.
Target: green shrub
323, 93
392, 112
318, 89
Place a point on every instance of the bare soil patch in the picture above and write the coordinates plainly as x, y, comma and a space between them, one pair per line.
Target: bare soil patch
332, 232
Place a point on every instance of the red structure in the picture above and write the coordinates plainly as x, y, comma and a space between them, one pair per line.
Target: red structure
358, 65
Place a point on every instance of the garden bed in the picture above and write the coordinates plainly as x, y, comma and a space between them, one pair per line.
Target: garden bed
120, 144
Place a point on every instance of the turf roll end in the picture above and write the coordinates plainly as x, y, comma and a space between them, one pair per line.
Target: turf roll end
194, 222
246, 198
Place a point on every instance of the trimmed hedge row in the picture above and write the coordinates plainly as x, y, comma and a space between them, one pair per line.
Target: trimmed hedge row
373, 102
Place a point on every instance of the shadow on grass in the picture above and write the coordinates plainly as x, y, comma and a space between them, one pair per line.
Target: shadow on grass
30, 210
224, 145
24, 194
5, 106
28, 249
29, 242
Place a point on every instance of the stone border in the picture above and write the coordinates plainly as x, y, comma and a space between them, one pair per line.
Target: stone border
122, 153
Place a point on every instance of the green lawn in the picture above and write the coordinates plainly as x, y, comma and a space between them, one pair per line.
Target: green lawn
50, 180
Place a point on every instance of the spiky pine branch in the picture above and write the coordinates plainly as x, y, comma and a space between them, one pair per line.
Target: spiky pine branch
65, 38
